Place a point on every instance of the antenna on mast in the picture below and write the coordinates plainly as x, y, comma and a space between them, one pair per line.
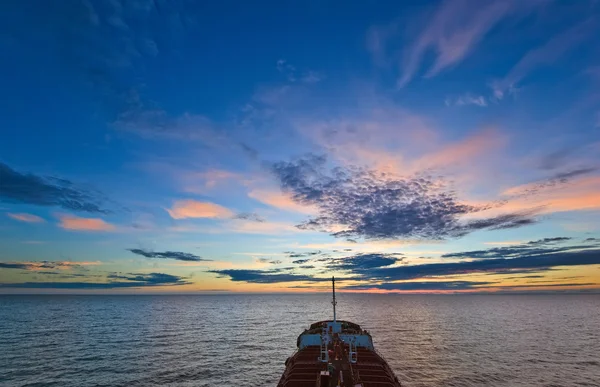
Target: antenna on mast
334, 302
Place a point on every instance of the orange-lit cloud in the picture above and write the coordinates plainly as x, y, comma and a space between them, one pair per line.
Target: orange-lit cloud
184, 209
23, 217
464, 151
71, 222
580, 194
395, 142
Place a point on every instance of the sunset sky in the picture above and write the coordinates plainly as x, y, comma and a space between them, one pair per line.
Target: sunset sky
179, 146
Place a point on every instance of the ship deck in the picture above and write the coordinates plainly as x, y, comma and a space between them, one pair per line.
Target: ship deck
303, 369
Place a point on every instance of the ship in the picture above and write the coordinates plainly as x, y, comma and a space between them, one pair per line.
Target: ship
336, 353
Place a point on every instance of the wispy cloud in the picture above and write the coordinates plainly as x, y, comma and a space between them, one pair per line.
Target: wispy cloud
184, 209
47, 191
75, 223
547, 54
454, 31
28, 218
251, 216
294, 75
178, 255
467, 99
556, 179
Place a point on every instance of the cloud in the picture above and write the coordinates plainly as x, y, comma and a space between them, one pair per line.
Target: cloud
14, 265
546, 241
28, 218
312, 77
555, 159
40, 265
251, 216
293, 75
178, 255
116, 281
300, 261
453, 32
537, 247
539, 262
530, 258
47, 191
467, 99
272, 262
279, 200
354, 202
362, 262
71, 222
555, 180
183, 209
424, 286
214, 177
547, 54
265, 277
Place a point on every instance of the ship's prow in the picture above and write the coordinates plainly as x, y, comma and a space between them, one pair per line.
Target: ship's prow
336, 353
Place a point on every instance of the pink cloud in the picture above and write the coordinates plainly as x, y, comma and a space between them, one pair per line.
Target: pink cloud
71, 222
464, 151
277, 199
183, 209
23, 217
578, 195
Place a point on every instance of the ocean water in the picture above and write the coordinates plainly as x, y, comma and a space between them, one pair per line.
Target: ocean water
243, 340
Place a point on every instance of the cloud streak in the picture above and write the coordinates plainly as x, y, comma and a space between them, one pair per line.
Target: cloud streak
27, 218
454, 31
547, 54
177, 255
49, 191
265, 277
115, 281
539, 262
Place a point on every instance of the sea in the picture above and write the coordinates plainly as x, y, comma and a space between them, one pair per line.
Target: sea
244, 340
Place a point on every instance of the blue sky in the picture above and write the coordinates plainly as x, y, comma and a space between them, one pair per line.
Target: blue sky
174, 146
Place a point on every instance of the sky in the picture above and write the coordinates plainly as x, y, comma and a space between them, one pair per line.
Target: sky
154, 146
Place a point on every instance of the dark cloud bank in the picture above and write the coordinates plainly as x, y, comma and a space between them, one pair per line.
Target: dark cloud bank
115, 281
529, 258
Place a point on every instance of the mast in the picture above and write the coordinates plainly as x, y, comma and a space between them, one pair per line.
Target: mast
333, 302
